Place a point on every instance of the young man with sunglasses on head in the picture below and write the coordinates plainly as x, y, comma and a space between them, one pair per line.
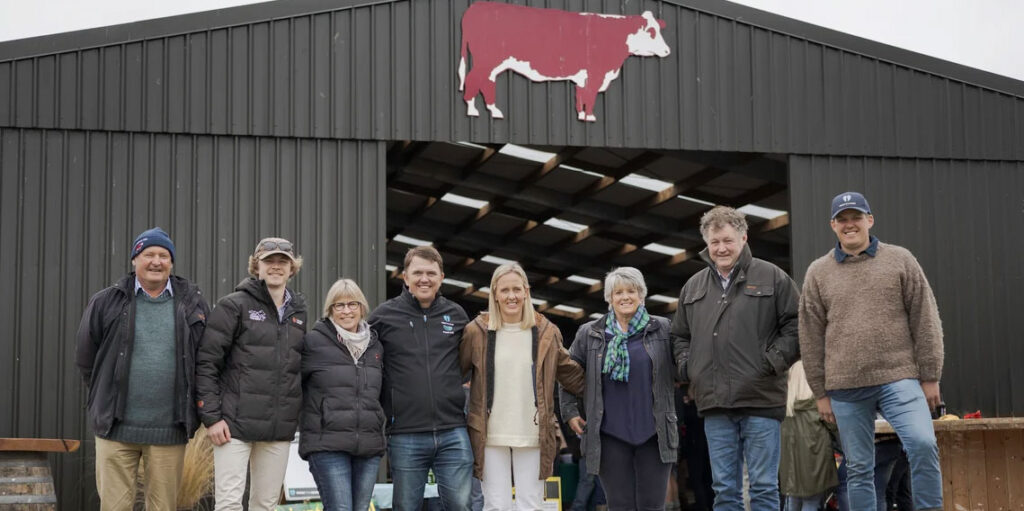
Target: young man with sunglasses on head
248, 378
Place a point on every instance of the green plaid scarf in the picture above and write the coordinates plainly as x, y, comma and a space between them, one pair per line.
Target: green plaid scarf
616, 357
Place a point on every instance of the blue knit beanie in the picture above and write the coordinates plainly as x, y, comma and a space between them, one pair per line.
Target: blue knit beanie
153, 237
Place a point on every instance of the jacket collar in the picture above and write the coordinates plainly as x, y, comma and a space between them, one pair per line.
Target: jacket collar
597, 326
411, 300
326, 327
540, 322
181, 286
741, 265
258, 289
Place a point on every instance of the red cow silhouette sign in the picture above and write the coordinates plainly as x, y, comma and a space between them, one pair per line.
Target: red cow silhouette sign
543, 45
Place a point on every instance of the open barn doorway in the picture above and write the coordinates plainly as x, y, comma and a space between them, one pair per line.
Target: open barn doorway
568, 215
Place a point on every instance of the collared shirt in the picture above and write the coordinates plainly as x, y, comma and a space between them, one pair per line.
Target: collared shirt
871, 250
280, 310
726, 279
167, 289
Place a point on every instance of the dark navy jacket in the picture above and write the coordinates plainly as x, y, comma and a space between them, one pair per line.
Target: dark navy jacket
422, 377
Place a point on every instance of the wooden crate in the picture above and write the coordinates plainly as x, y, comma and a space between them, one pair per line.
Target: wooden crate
982, 463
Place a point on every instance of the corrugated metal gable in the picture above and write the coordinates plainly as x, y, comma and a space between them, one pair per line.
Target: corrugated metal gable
388, 71
72, 202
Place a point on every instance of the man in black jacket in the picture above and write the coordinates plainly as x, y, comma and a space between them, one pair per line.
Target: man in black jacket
735, 336
248, 382
136, 349
423, 398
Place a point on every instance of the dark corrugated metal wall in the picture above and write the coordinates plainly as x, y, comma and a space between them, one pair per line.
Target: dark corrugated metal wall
73, 201
388, 71
193, 129
964, 221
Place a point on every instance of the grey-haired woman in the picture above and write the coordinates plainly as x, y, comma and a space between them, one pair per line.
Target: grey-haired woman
630, 428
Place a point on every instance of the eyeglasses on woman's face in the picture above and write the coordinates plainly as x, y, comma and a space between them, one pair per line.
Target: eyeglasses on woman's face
340, 306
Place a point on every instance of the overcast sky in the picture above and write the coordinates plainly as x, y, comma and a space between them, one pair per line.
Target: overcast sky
986, 34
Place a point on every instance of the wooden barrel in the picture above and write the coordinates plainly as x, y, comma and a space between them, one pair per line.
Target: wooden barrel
25, 482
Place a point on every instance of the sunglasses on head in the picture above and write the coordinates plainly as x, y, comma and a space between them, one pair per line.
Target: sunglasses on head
267, 246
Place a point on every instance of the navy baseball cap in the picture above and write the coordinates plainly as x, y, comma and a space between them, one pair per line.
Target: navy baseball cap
850, 200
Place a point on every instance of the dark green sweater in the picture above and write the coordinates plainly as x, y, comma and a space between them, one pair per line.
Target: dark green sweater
149, 409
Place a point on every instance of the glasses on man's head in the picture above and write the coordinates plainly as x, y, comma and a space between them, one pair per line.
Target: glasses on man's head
269, 245
340, 306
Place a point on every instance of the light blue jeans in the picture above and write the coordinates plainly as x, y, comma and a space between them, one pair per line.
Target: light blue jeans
448, 452
733, 439
903, 404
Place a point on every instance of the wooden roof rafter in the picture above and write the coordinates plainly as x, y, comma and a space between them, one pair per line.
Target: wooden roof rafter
471, 167
541, 197
656, 286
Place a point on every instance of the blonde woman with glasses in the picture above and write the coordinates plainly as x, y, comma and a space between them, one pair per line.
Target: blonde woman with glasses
342, 425
515, 355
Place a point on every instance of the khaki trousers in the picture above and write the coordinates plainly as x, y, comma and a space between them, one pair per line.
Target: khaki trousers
266, 461
117, 466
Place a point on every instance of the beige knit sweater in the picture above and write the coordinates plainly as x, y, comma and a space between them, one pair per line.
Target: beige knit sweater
868, 321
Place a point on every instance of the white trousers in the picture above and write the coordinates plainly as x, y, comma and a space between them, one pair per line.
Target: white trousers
266, 461
499, 465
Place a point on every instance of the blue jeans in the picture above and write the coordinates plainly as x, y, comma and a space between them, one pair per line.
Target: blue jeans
733, 439
804, 503
345, 482
886, 455
448, 452
903, 404
589, 492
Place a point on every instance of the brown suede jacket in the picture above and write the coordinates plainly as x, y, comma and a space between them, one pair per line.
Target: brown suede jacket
552, 363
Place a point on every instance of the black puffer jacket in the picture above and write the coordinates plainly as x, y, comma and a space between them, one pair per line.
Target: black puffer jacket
104, 350
247, 371
423, 379
341, 408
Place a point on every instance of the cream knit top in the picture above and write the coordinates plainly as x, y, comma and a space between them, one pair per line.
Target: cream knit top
868, 321
513, 412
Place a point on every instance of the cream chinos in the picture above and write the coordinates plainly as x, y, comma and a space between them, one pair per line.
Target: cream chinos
266, 461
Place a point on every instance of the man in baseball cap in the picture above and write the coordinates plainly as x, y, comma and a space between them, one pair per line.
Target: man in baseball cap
849, 200
869, 306
270, 246
148, 412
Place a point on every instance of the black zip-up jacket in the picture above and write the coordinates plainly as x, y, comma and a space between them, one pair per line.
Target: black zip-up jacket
106, 337
734, 346
341, 408
247, 371
422, 377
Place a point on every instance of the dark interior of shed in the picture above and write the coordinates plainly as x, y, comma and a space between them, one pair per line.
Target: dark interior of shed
568, 215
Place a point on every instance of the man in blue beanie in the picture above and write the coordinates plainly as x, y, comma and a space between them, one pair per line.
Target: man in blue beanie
136, 349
